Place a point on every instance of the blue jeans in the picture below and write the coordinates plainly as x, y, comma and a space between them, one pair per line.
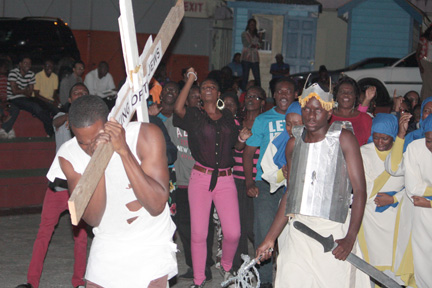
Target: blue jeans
255, 71
31, 106
265, 208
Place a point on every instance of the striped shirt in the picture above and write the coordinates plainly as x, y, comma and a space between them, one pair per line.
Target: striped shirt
22, 82
238, 171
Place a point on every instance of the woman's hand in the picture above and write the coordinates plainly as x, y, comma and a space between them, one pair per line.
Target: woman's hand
245, 133
403, 124
421, 202
383, 199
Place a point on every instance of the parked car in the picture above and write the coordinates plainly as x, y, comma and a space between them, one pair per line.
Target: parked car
38, 37
402, 76
368, 63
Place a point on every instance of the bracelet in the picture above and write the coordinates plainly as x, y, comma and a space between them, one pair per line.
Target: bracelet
241, 140
194, 73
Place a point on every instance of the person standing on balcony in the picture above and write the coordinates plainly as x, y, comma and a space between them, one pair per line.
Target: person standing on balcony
251, 41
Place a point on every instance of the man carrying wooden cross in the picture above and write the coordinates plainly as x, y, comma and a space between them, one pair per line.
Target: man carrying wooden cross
133, 244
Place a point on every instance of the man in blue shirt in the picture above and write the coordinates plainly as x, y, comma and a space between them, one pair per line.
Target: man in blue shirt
265, 127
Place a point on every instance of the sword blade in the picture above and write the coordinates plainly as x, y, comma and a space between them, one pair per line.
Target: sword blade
359, 263
370, 270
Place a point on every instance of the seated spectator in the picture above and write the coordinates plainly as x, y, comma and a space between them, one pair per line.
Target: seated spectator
278, 70
70, 80
20, 89
46, 88
99, 81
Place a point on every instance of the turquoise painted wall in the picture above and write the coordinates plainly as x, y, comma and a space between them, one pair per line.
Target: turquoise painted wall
378, 28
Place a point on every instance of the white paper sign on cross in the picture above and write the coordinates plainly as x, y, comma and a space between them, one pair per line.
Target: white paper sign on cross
131, 97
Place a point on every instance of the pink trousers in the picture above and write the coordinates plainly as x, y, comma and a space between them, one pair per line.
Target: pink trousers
225, 199
54, 204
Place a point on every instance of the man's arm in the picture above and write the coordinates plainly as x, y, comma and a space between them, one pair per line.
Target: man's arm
17, 91
248, 154
149, 180
351, 151
60, 120
88, 82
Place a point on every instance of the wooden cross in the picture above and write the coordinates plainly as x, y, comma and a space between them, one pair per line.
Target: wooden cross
131, 97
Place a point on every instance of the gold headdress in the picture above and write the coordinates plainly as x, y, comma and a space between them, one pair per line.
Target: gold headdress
325, 98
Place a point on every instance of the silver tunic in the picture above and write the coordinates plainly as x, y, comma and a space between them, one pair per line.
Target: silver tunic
319, 184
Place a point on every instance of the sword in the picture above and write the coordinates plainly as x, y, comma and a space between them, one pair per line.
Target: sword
329, 244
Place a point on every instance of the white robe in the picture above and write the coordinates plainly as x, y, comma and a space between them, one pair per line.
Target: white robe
303, 263
417, 165
377, 233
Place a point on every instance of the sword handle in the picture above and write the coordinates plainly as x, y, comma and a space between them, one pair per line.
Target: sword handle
327, 242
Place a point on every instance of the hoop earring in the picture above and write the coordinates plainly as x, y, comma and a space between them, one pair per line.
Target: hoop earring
220, 104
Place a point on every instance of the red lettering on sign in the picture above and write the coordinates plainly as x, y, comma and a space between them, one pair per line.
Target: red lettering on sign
193, 6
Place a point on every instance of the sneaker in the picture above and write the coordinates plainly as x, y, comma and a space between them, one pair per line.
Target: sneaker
226, 274
11, 134
3, 134
198, 286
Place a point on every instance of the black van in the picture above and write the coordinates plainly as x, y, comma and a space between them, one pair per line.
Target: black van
38, 37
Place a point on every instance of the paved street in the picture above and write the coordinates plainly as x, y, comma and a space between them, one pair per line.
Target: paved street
16, 242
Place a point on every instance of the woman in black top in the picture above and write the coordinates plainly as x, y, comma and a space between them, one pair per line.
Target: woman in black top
212, 134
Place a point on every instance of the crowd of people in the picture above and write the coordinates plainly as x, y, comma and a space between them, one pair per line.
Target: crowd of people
43, 94
319, 156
